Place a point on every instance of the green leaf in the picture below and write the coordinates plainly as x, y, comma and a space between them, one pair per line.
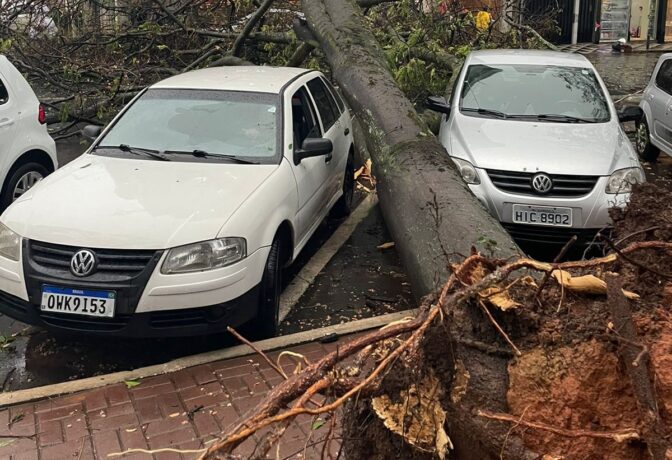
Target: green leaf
132, 383
317, 424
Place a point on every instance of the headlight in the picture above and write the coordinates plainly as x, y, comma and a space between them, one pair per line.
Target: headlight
621, 181
208, 255
10, 243
467, 171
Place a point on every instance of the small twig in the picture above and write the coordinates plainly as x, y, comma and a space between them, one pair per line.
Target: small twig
557, 259
640, 232
275, 367
632, 261
624, 435
499, 329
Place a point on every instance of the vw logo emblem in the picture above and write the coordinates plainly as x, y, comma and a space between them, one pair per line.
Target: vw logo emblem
541, 183
83, 263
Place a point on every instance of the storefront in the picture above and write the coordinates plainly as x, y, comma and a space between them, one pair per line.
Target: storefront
635, 20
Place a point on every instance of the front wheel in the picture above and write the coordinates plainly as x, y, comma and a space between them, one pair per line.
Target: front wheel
268, 318
645, 149
20, 181
343, 206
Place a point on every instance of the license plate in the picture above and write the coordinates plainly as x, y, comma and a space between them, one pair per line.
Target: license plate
542, 215
78, 301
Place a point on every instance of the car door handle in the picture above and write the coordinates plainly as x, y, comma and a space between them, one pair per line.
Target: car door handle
6, 122
347, 131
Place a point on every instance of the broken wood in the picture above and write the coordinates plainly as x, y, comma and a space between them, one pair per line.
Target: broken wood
654, 431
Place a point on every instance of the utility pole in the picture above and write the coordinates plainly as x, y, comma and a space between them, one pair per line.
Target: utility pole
575, 22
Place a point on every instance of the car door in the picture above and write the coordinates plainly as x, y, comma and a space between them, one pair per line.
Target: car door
333, 129
311, 173
660, 101
7, 117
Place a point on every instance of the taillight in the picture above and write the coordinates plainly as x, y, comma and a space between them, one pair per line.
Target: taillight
42, 115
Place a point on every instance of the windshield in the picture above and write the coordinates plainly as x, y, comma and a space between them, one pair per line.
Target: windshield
534, 92
224, 123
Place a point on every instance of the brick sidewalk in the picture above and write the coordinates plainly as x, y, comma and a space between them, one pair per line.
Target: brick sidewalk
182, 410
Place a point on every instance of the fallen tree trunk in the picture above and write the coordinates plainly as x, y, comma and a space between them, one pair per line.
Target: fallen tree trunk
431, 214
430, 211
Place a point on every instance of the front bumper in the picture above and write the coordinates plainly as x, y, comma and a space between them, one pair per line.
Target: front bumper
168, 323
149, 303
590, 213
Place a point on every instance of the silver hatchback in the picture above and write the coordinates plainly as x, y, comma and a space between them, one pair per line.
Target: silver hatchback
538, 140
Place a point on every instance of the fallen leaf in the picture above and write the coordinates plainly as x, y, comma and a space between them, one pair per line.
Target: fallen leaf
500, 298
318, 424
359, 172
424, 430
174, 414
586, 284
387, 245
6, 442
132, 383
131, 430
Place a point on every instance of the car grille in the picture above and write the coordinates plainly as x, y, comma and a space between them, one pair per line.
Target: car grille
549, 235
563, 185
118, 264
81, 323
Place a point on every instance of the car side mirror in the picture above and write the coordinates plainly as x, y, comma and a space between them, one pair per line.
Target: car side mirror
630, 113
91, 132
315, 147
438, 104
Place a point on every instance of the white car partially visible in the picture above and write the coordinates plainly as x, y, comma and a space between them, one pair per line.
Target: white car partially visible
27, 152
179, 219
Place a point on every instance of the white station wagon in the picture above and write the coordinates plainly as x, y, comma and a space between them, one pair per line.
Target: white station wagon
180, 217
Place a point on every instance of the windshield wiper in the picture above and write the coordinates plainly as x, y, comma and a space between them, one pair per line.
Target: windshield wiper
140, 151
481, 111
558, 118
203, 154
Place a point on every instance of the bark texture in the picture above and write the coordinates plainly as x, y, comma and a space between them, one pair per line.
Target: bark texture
431, 213
432, 216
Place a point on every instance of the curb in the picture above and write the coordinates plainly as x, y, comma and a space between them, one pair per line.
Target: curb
49, 391
302, 280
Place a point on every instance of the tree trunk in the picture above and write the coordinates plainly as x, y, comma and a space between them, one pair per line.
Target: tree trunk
431, 214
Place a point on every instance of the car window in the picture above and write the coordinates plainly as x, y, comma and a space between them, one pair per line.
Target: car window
533, 92
336, 95
664, 77
4, 94
242, 124
304, 120
325, 103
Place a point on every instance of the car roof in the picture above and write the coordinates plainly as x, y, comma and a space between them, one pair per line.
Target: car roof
261, 79
538, 57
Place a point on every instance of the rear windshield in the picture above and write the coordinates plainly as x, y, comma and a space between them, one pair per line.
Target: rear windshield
534, 92
241, 124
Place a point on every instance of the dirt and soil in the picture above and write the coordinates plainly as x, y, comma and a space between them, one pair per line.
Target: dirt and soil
571, 373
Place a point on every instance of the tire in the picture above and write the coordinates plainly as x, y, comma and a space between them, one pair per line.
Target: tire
268, 317
343, 206
20, 180
645, 149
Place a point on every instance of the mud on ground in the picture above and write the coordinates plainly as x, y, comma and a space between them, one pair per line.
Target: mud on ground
570, 374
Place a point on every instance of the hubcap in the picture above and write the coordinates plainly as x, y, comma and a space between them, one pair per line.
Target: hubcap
642, 138
26, 182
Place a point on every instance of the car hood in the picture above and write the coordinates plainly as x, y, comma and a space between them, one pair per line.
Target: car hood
103, 202
559, 148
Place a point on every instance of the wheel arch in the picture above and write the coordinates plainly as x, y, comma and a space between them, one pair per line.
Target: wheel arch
31, 156
285, 233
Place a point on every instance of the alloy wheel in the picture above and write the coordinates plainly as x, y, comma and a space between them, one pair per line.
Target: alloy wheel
25, 183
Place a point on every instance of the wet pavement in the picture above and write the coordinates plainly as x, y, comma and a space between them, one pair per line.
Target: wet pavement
360, 281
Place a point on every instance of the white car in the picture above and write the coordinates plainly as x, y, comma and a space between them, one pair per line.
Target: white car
654, 129
27, 152
538, 140
180, 217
